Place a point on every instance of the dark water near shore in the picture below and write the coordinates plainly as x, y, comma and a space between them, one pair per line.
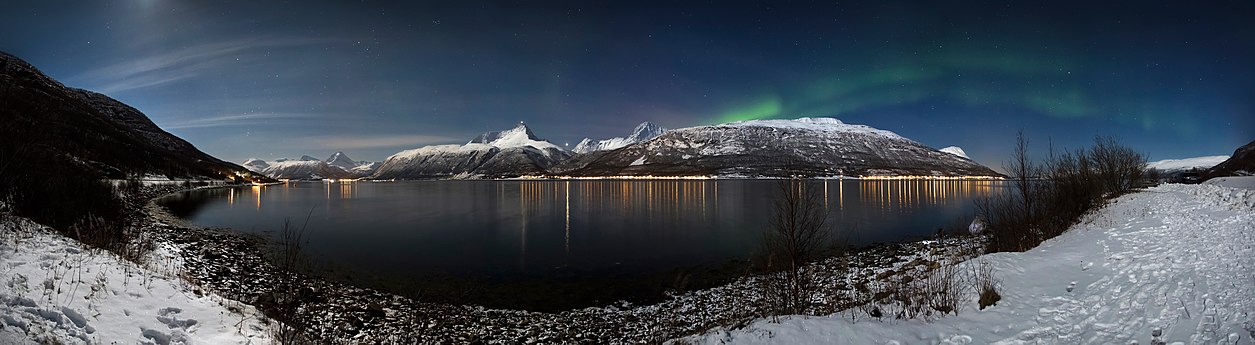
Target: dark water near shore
543, 233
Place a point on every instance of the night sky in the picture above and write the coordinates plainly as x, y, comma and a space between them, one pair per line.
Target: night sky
240, 79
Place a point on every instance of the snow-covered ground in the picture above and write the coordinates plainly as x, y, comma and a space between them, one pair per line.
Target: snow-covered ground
1247, 182
1175, 258
56, 290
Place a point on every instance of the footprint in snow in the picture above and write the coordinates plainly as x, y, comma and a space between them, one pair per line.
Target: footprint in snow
170, 317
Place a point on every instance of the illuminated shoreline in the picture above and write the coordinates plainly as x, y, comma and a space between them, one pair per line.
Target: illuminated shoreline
652, 177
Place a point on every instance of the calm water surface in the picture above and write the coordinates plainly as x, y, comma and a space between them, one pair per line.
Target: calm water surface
518, 230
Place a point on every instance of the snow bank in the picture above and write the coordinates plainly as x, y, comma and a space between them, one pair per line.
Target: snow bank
1247, 182
55, 290
1178, 258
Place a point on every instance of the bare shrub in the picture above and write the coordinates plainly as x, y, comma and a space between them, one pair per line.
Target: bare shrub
287, 295
1049, 197
798, 235
985, 284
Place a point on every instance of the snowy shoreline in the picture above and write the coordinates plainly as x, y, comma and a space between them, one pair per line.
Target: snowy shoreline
1172, 260
233, 265
1130, 265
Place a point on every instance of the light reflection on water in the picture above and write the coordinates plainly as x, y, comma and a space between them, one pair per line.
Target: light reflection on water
534, 228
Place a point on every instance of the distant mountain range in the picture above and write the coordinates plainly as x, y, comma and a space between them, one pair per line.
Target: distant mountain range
1174, 165
92, 132
338, 166
775, 148
763, 148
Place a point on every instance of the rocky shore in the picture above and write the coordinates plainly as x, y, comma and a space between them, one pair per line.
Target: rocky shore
236, 266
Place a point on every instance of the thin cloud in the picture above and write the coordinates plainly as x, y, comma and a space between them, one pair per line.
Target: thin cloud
237, 120
371, 141
179, 64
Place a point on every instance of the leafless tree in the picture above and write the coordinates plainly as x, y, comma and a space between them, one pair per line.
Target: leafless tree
798, 234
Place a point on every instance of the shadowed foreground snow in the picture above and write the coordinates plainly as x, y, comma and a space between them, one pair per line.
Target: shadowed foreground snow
55, 290
1179, 258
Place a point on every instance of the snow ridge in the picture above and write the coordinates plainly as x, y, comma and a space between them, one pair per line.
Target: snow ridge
819, 124
642, 132
955, 150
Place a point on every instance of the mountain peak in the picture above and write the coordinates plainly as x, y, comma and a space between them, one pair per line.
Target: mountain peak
341, 160
644, 131
308, 158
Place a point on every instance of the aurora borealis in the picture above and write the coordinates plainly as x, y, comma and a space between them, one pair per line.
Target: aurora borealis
243, 79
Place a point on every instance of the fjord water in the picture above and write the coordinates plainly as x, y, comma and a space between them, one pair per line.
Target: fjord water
606, 230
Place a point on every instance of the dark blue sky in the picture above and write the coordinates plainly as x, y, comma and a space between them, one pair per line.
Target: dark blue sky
282, 79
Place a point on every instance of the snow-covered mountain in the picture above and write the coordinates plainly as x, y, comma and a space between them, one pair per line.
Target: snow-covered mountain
509, 153
955, 150
805, 146
339, 165
361, 168
256, 165
305, 170
1203, 163
643, 132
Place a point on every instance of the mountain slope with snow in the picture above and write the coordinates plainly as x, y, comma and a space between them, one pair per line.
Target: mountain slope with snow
805, 146
1186, 163
305, 170
509, 153
642, 132
955, 150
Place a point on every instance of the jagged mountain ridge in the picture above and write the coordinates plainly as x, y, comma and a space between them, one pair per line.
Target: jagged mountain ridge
337, 166
642, 132
509, 153
92, 132
767, 148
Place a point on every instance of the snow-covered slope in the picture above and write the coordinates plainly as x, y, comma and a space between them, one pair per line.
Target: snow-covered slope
643, 132
1175, 258
805, 146
256, 165
304, 170
1187, 163
508, 153
58, 291
955, 150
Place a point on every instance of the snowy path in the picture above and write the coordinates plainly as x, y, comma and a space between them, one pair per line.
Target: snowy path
1176, 258
54, 290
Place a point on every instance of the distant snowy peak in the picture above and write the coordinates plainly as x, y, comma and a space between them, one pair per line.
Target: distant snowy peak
642, 132
519, 136
955, 150
255, 165
645, 131
309, 158
1187, 163
341, 160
